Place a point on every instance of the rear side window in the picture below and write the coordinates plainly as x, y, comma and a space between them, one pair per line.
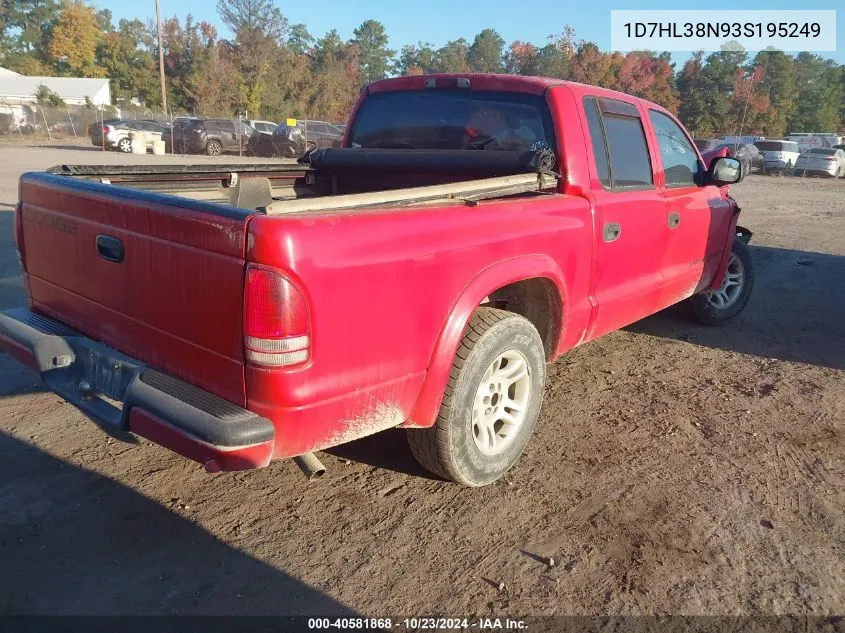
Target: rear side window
680, 161
616, 126
597, 138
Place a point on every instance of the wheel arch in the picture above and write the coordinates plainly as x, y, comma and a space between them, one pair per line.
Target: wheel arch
523, 284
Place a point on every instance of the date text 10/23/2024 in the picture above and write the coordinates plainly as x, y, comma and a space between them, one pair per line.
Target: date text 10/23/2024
417, 624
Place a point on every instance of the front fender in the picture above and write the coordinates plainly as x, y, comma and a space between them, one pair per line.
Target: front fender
735, 231
482, 285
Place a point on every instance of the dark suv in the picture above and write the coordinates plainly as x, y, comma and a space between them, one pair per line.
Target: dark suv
209, 136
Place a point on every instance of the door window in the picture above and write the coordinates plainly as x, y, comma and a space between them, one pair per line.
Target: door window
630, 166
597, 138
680, 161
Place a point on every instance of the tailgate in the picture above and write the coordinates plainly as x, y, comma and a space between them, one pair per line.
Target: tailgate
157, 277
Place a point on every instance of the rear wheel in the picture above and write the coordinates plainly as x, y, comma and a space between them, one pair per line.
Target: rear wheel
726, 302
213, 148
491, 404
124, 145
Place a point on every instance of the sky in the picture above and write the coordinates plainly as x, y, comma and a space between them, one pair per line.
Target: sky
438, 21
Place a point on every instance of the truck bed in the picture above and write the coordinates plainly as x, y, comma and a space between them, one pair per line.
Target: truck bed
347, 174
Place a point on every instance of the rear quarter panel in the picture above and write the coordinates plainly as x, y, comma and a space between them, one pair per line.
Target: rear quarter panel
384, 285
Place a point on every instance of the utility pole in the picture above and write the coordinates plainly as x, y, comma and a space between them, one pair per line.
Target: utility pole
160, 57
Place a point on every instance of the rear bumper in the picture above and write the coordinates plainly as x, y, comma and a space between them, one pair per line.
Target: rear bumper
124, 394
816, 171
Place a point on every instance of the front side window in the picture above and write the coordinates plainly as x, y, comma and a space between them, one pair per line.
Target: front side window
680, 161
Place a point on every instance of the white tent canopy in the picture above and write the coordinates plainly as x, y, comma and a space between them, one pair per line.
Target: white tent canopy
72, 90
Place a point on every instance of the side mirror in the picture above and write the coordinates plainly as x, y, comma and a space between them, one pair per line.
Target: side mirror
725, 171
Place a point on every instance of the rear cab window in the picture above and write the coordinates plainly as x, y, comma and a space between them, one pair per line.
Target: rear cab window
453, 119
623, 162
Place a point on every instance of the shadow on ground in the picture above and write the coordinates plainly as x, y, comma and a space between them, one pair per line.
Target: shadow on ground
75, 542
388, 449
796, 312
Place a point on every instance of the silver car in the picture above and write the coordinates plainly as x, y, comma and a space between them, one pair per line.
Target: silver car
821, 161
117, 134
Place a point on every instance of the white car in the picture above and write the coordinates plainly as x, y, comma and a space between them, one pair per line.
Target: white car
822, 162
117, 134
265, 127
778, 155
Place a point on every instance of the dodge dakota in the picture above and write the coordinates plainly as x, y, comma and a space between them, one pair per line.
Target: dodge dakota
470, 230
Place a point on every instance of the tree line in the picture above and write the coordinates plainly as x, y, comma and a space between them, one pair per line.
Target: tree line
272, 69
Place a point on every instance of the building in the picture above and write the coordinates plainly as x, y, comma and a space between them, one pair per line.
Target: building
20, 89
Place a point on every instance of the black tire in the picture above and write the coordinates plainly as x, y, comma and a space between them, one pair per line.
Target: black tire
448, 449
213, 148
701, 308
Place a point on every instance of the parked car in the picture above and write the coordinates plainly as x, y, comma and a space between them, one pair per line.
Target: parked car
294, 139
97, 126
748, 155
117, 134
265, 127
821, 162
707, 144
778, 155
209, 136
293, 308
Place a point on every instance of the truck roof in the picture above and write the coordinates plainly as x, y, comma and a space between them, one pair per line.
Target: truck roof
503, 83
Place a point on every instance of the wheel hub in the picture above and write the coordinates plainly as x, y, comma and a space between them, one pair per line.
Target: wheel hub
731, 287
501, 402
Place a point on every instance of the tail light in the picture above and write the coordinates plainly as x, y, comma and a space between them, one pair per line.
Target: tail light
276, 323
106, 129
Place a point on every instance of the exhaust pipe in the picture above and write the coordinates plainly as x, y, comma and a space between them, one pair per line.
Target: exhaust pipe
311, 466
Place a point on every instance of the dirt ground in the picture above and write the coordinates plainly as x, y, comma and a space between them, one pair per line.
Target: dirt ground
676, 470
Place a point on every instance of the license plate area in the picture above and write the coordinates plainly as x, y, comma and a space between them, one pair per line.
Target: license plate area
106, 373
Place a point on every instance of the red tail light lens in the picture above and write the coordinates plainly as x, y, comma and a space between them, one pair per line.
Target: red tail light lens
276, 324
106, 129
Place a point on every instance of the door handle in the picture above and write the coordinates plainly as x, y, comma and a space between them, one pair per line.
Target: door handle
612, 231
110, 248
674, 219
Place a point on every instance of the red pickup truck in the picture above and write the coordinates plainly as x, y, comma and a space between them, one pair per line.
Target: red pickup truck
471, 229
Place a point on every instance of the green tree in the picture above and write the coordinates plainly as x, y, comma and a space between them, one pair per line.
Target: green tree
779, 85
718, 77
26, 26
300, 40
416, 59
373, 53
819, 99
132, 71
487, 52
104, 21
253, 15
336, 79
694, 109
452, 58
46, 97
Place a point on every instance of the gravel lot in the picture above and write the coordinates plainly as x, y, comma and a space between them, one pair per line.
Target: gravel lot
676, 469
